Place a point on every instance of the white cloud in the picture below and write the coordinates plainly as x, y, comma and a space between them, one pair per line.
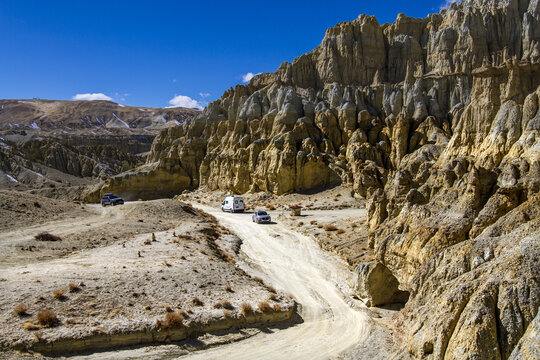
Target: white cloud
247, 77
185, 101
204, 95
93, 96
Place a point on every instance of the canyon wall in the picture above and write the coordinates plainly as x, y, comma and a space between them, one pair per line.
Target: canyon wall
436, 122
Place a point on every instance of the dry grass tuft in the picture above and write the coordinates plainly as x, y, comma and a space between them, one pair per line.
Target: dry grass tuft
172, 320
265, 307
301, 223
273, 297
271, 289
47, 318
20, 310
320, 226
30, 326
330, 228
45, 236
313, 222
277, 308
227, 314
58, 294
246, 309
197, 302
72, 287
353, 225
259, 280
229, 289
340, 231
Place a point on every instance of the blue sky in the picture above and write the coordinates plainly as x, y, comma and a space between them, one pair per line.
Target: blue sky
145, 53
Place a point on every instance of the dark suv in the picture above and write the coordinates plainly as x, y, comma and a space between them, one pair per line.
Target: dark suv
111, 199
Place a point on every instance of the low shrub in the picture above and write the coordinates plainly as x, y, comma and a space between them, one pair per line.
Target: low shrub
246, 309
58, 294
47, 318
264, 307
72, 287
20, 310
172, 320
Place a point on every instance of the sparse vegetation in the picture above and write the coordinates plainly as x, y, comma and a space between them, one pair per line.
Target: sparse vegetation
313, 222
173, 320
340, 231
330, 228
273, 297
277, 308
58, 294
265, 307
47, 318
20, 310
72, 287
271, 289
246, 309
228, 288
30, 326
45, 236
227, 314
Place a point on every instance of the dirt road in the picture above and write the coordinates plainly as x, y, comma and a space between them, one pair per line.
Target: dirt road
295, 264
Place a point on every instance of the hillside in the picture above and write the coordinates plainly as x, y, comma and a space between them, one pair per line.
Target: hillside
55, 144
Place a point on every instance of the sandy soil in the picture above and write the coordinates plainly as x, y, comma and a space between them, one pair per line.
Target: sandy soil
127, 281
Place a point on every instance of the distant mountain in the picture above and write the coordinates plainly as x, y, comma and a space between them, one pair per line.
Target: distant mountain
53, 145
56, 117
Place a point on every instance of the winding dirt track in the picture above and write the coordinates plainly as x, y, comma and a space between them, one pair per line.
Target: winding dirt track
296, 264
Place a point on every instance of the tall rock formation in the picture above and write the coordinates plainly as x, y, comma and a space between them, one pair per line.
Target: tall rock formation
436, 121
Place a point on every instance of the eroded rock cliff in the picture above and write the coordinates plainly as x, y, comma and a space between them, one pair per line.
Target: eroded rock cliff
436, 121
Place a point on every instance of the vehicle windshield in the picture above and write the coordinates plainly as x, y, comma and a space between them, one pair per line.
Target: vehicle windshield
262, 213
113, 197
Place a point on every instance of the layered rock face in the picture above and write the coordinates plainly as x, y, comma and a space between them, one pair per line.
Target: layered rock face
436, 121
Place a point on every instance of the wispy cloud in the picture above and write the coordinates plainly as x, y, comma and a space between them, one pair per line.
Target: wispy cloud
204, 95
185, 101
247, 77
92, 96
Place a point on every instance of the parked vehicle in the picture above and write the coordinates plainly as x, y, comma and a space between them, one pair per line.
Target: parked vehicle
261, 216
233, 204
111, 199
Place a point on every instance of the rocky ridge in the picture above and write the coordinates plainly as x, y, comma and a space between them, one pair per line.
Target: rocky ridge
436, 121
57, 143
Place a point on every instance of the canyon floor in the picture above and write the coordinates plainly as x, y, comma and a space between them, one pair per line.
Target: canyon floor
125, 281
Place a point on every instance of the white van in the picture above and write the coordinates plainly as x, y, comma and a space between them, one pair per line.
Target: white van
233, 204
